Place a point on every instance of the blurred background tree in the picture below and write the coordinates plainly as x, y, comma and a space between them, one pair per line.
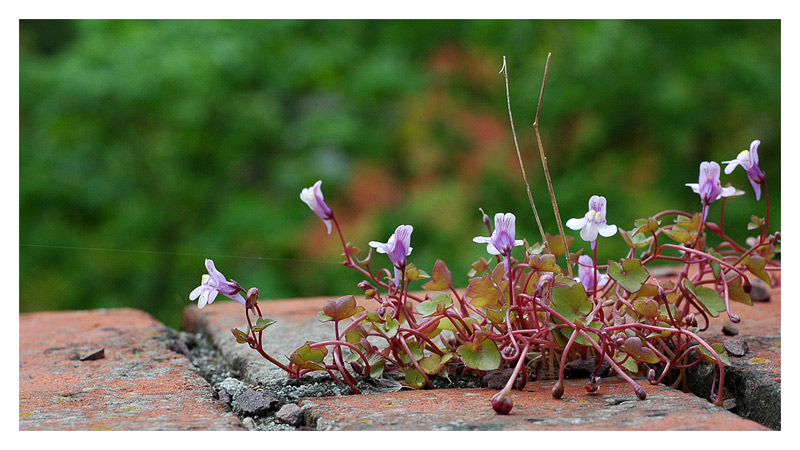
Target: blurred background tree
147, 145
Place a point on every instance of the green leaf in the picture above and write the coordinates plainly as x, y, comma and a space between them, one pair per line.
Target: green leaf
485, 357
737, 293
355, 334
709, 298
535, 249
755, 222
478, 267
557, 245
446, 324
633, 346
679, 234
441, 279
630, 274
414, 274
544, 263
429, 307
646, 307
416, 353
637, 241
339, 309
708, 357
692, 224
434, 363
629, 365
579, 339
571, 301
715, 268
483, 292
414, 379
307, 358
241, 336
376, 366
388, 329
262, 323
645, 225
755, 264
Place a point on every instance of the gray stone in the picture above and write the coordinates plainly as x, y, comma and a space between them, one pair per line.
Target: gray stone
497, 379
759, 293
730, 330
224, 396
735, 347
249, 423
232, 386
582, 368
253, 403
290, 414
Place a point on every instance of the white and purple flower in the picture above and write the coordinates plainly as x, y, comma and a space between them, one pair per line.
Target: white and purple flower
586, 274
708, 186
397, 249
748, 159
312, 196
502, 241
215, 283
594, 221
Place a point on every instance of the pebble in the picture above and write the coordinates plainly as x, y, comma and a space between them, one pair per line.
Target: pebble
735, 347
729, 330
290, 414
497, 379
582, 368
249, 423
224, 397
253, 403
232, 386
759, 292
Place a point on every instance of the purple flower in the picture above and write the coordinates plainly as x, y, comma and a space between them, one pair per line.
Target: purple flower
748, 159
215, 283
586, 274
397, 249
594, 221
314, 199
709, 187
502, 241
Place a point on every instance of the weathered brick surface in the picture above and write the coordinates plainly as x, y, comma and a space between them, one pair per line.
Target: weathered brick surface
753, 380
296, 323
615, 407
139, 385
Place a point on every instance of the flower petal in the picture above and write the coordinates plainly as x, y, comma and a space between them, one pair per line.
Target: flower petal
606, 230
589, 233
380, 247
197, 291
576, 224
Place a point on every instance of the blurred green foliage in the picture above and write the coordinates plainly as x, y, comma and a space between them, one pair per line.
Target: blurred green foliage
147, 145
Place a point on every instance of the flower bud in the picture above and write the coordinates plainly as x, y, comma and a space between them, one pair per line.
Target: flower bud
691, 320
662, 294
486, 220
640, 392
558, 390
734, 318
651, 376
501, 403
747, 287
592, 384
252, 298
381, 311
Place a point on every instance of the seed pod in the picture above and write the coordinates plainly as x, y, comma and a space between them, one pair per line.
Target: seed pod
501, 403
